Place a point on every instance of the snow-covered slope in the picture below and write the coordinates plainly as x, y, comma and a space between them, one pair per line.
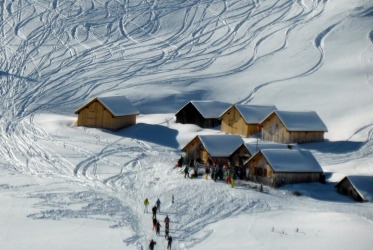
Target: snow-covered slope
63, 186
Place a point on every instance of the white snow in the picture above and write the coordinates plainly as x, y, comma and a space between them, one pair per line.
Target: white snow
69, 187
209, 109
255, 114
363, 185
220, 145
301, 121
253, 148
285, 160
119, 105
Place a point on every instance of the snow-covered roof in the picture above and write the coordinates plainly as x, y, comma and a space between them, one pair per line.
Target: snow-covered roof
253, 114
253, 148
363, 185
221, 145
209, 109
301, 121
117, 105
285, 160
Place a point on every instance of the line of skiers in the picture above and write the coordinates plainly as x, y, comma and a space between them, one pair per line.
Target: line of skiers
156, 224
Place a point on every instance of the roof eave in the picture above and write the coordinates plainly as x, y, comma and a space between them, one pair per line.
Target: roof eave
88, 103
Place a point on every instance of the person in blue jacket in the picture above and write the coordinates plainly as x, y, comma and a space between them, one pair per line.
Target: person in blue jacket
158, 202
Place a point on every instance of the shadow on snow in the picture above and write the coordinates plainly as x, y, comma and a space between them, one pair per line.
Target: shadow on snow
152, 133
337, 147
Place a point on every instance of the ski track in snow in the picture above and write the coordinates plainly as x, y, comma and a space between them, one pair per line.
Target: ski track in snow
53, 50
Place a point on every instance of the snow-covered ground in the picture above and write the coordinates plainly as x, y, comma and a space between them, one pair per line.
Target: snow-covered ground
63, 186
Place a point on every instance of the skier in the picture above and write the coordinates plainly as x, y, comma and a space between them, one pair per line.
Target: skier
152, 244
169, 241
158, 228
158, 202
167, 226
154, 210
146, 203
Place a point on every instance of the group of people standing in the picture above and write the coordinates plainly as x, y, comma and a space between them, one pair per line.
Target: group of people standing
156, 224
216, 171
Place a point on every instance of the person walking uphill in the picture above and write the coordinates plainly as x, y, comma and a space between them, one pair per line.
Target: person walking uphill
146, 203
167, 226
169, 241
152, 243
158, 202
158, 228
154, 210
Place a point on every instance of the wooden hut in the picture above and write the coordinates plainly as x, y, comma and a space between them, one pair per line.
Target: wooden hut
360, 188
277, 167
111, 112
293, 127
202, 113
214, 147
244, 119
247, 150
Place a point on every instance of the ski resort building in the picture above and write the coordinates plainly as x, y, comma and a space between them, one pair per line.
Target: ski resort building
244, 119
112, 112
293, 127
202, 113
360, 188
277, 167
213, 147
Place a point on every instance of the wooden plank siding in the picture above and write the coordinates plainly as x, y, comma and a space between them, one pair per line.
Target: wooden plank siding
274, 130
194, 150
96, 115
190, 115
232, 122
240, 156
262, 172
345, 187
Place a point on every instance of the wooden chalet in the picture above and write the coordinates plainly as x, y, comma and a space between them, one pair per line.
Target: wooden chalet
111, 112
214, 147
360, 188
293, 127
277, 167
244, 119
202, 113
247, 150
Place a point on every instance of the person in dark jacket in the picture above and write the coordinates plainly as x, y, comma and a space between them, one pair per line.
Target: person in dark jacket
186, 172
169, 241
167, 226
152, 243
158, 232
158, 202
154, 210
